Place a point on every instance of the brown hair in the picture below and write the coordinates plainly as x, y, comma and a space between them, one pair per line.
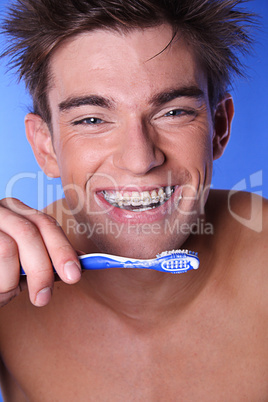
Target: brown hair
216, 29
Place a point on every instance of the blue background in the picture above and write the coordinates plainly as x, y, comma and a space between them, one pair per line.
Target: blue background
246, 153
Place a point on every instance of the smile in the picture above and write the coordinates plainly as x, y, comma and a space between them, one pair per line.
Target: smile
139, 201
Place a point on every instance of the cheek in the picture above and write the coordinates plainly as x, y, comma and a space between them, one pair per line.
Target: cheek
78, 160
195, 153
83, 166
202, 161
192, 147
202, 152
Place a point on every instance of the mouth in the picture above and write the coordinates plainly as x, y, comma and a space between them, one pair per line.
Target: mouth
139, 201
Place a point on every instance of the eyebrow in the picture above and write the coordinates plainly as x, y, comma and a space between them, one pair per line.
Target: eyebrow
90, 100
157, 100
168, 96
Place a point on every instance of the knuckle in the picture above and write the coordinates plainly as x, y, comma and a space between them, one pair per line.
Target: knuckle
40, 280
47, 220
6, 297
10, 202
4, 201
27, 229
66, 248
17, 206
8, 247
43, 271
6, 290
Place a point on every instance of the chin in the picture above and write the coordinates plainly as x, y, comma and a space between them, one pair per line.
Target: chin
140, 247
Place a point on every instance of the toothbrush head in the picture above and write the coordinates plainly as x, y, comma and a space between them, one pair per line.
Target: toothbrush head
176, 261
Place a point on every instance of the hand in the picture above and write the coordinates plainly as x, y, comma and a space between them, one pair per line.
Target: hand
36, 241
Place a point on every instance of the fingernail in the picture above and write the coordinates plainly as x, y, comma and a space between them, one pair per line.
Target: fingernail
72, 271
43, 297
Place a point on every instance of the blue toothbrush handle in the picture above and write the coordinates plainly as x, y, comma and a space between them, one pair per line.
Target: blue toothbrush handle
100, 262
104, 262
97, 262
174, 263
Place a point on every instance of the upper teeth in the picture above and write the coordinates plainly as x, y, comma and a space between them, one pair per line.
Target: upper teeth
137, 199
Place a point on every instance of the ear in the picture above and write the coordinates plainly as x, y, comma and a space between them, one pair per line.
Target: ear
40, 139
222, 125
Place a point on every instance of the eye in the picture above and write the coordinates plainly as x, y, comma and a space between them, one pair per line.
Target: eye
169, 119
179, 113
89, 121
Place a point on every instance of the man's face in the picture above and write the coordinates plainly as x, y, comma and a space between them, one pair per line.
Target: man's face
132, 132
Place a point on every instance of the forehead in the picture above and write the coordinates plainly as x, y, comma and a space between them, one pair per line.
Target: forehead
124, 65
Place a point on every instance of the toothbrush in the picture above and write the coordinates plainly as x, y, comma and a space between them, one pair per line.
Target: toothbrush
175, 262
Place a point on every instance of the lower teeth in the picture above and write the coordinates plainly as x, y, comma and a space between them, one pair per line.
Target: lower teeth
140, 208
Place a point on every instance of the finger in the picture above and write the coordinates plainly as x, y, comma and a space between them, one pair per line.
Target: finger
9, 264
33, 256
34, 259
64, 258
39, 239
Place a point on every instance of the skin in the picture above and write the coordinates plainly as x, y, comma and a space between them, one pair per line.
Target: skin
126, 334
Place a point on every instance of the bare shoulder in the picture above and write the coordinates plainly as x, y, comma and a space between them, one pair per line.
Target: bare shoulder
243, 212
240, 221
241, 232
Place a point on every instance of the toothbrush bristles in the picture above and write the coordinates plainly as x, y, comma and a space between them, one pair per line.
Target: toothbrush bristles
175, 252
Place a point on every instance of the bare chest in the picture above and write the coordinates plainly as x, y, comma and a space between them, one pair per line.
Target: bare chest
204, 360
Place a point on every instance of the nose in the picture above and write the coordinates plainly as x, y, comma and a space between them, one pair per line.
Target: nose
138, 152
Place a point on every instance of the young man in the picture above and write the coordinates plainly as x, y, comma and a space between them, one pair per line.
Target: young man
130, 110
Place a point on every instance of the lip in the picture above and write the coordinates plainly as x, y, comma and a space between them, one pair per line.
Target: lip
150, 216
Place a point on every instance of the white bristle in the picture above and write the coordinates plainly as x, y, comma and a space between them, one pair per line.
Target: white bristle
166, 253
